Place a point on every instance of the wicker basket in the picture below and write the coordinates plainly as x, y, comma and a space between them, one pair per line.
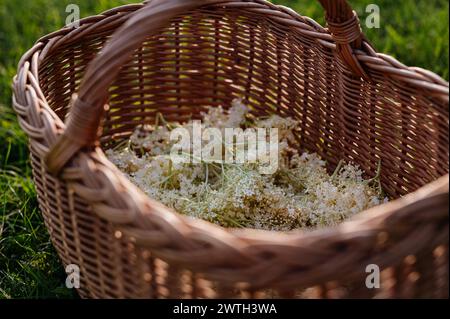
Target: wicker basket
118, 69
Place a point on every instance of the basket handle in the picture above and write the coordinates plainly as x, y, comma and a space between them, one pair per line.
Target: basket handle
82, 129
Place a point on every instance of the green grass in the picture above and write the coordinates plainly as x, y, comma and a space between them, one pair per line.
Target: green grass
414, 31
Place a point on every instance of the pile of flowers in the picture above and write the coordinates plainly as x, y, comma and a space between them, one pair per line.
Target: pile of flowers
299, 194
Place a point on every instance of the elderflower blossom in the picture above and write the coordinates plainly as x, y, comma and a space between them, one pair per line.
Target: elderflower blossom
301, 193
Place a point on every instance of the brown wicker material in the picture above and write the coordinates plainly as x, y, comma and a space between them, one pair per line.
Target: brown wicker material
178, 56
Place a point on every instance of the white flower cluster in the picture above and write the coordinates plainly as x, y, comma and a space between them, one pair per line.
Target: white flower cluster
300, 194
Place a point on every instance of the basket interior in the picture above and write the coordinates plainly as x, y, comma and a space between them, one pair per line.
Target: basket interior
209, 57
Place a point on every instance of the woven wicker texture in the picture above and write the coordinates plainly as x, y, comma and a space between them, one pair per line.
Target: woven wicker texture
81, 90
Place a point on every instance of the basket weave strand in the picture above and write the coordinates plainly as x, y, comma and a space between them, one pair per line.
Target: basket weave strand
176, 57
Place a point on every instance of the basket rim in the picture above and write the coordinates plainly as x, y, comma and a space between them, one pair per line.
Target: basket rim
146, 219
